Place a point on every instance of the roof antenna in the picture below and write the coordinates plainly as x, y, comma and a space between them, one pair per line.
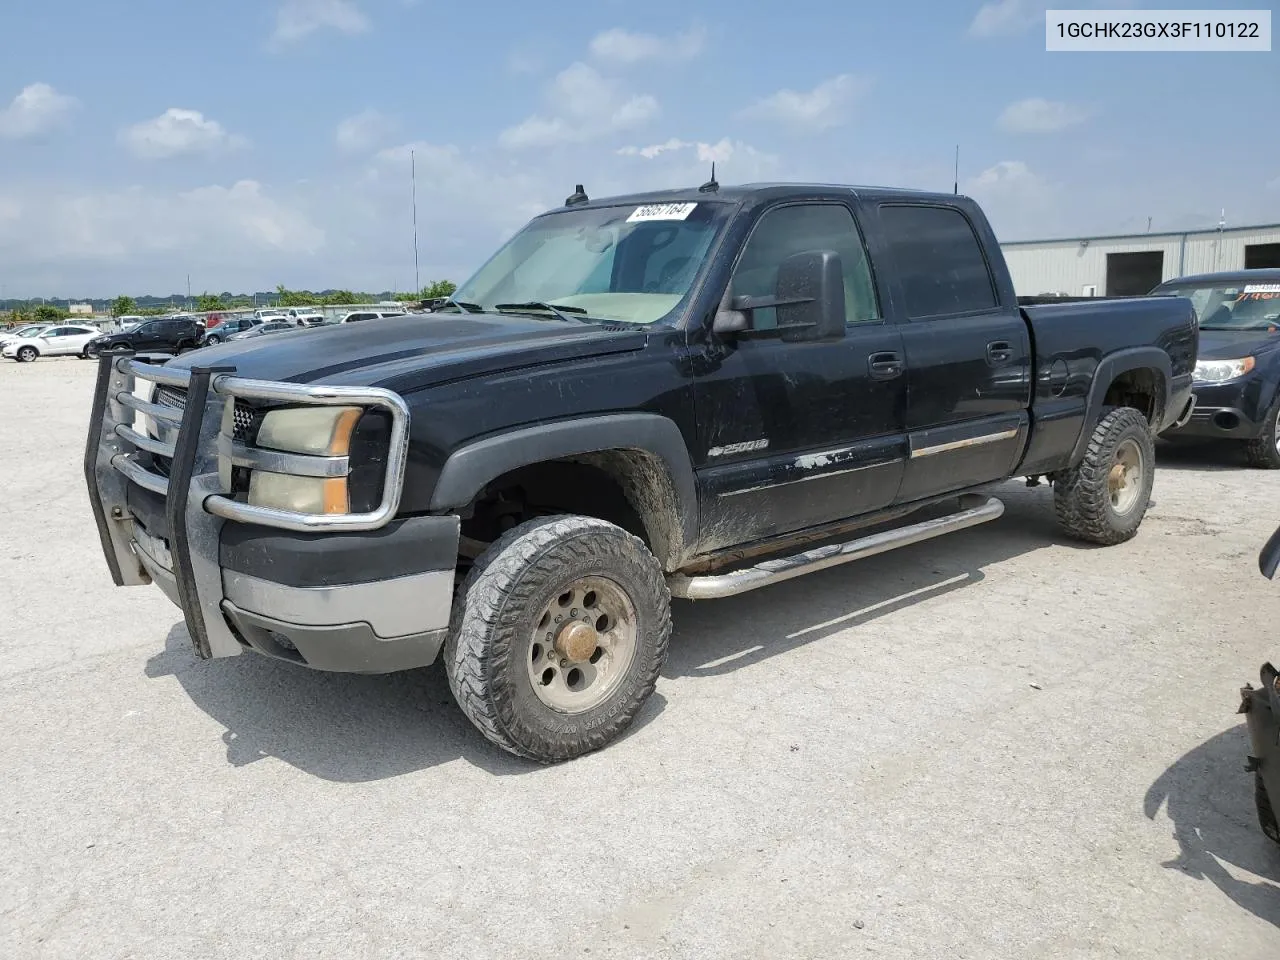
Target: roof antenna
579, 196
955, 187
710, 186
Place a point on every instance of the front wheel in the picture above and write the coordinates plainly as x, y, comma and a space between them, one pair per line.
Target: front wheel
1264, 452
27, 354
1104, 497
558, 637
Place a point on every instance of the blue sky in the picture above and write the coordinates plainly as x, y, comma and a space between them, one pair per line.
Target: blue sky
256, 142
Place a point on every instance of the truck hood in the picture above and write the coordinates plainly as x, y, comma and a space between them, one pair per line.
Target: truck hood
411, 352
1233, 344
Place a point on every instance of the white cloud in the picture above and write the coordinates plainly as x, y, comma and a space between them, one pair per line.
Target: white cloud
1002, 17
627, 47
1017, 200
298, 19
135, 237
675, 162
586, 106
654, 150
364, 132
177, 132
825, 106
36, 110
1037, 115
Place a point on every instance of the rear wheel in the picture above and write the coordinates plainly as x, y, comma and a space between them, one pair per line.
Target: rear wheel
1104, 497
1266, 813
27, 354
558, 637
1264, 452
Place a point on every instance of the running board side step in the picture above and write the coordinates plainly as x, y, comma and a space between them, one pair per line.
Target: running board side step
974, 510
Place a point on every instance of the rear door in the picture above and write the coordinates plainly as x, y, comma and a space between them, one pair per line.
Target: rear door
968, 355
795, 435
77, 337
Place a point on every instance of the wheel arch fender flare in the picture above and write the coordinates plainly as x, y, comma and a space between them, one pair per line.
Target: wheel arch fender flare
1109, 368
469, 468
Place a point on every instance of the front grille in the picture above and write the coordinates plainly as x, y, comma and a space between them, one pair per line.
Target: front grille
247, 419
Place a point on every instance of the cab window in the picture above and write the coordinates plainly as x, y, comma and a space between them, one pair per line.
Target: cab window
799, 228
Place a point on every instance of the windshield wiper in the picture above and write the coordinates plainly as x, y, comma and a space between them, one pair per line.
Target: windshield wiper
562, 313
466, 306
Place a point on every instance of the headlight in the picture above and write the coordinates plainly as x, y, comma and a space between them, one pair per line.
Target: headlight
1218, 371
320, 431
315, 431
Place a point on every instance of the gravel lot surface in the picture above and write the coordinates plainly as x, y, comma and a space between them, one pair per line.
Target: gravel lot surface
993, 745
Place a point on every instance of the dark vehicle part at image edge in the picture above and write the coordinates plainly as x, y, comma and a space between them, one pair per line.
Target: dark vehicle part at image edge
1261, 705
750, 384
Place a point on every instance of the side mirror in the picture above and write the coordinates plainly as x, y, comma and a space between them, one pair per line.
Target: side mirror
808, 297
810, 294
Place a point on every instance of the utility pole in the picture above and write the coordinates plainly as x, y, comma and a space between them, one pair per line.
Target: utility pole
1222, 225
413, 178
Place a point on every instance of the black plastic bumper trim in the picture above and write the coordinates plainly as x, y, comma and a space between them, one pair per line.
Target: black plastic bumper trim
341, 648
401, 548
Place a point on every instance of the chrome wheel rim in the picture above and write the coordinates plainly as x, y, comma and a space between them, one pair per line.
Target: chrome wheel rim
1275, 432
1124, 482
582, 645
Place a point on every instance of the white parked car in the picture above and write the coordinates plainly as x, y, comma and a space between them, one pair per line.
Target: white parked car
66, 339
357, 315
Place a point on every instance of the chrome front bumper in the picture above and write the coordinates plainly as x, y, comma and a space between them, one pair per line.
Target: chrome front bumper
390, 623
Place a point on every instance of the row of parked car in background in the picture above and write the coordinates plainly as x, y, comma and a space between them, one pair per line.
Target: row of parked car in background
170, 334
1237, 380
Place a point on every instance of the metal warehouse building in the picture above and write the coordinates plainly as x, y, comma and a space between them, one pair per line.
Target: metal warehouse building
1132, 264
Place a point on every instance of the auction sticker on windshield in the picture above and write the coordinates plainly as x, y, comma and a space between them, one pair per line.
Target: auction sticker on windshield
661, 211
1262, 288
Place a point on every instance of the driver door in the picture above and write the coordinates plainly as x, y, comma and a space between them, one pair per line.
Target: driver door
793, 435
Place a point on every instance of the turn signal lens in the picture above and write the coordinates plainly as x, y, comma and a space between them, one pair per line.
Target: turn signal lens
318, 495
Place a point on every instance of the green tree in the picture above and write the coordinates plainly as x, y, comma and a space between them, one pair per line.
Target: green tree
122, 306
48, 313
297, 298
153, 311
438, 288
340, 297
208, 302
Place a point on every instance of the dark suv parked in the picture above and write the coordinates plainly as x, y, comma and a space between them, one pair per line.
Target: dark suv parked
165, 335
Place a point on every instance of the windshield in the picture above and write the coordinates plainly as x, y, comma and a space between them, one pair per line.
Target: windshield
32, 331
630, 264
1233, 306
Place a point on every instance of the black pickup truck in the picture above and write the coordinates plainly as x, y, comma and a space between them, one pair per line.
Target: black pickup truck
690, 393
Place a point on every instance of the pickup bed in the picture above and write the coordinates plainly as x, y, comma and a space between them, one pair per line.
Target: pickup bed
690, 393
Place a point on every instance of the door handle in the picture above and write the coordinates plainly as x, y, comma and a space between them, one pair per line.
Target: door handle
999, 351
885, 366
